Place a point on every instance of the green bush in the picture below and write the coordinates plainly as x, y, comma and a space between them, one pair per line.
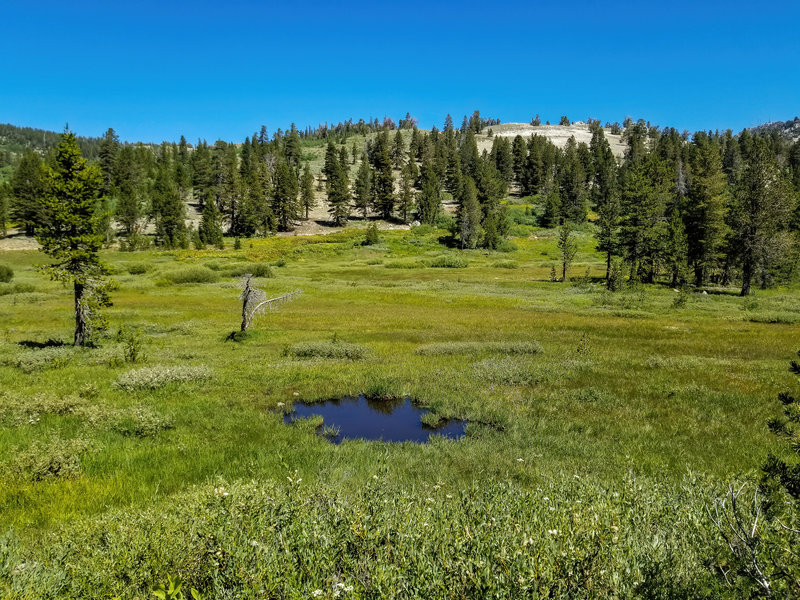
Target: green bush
54, 459
371, 237
7, 289
6, 274
449, 261
254, 269
191, 274
332, 349
151, 378
563, 540
505, 264
138, 268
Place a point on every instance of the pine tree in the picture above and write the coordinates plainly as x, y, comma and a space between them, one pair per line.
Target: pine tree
762, 207
572, 184
645, 191
708, 204
284, 204
519, 155
406, 196
383, 179
202, 173
5, 193
167, 210
567, 246
469, 216
307, 190
363, 186
429, 201
398, 150
109, 150
27, 191
605, 196
291, 147
130, 193
210, 229
69, 236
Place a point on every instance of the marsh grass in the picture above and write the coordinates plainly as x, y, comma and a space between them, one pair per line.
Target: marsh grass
475, 348
660, 392
332, 349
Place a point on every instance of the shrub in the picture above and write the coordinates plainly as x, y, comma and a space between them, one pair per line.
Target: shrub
6, 274
506, 246
44, 358
449, 261
371, 237
452, 348
141, 422
505, 264
138, 268
54, 459
511, 371
254, 269
151, 378
16, 288
191, 274
332, 349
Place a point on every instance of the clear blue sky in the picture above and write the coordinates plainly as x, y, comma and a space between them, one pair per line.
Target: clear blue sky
156, 70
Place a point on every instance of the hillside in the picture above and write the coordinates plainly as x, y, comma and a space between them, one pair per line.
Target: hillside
558, 134
789, 130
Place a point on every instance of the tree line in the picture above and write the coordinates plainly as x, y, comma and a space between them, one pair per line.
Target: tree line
686, 209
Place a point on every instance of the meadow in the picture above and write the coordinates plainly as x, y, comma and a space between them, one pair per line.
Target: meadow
600, 424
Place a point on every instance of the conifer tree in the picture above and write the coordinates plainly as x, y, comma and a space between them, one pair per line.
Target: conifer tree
284, 203
572, 184
291, 147
383, 179
398, 150
551, 216
69, 236
210, 229
469, 216
5, 192
708, 203
567, 246
27, 190
167, 210
429, 201
406, 196
130, 193
519, 155
363, 186
202, 173
307, 190
109, 149
762, 207
645, 192
605, 197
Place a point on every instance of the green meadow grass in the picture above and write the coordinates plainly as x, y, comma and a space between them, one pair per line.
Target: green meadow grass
561, 382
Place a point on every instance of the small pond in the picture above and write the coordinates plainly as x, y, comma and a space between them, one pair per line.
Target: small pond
387, 420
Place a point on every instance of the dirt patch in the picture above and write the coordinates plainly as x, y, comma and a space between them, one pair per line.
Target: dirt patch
17, 241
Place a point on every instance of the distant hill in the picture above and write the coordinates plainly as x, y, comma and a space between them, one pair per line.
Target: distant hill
14, 140
787, 129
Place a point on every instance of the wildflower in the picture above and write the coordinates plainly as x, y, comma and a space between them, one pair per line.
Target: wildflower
552, 531
296, 394
520, 460
254, 544
316, 593
281, 404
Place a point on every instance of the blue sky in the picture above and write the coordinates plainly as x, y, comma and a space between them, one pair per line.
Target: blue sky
156, 70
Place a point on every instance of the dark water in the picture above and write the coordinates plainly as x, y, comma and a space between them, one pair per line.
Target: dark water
386, 420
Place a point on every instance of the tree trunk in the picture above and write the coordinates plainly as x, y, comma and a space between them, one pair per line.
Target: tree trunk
747, 276
81, 333
608, 267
